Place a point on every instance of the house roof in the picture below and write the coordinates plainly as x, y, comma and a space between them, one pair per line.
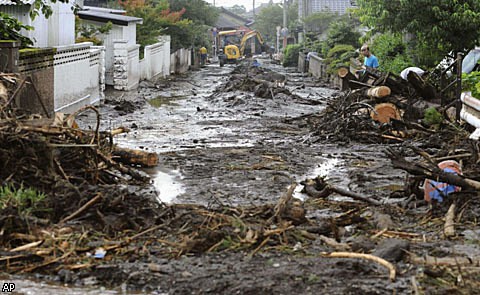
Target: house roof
230, 20
16, 2
104, 17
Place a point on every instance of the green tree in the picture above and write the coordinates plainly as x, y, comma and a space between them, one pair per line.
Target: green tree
391, 52
270, 17
267, 20
319, 21
238, 10
158, 20
448, 25
342, 32
198, 11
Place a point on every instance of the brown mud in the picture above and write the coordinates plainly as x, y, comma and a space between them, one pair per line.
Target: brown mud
237, 143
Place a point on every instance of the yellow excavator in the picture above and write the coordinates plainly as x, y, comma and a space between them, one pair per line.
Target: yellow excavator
238, 43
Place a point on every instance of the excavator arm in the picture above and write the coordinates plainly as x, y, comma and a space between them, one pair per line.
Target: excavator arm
247, 37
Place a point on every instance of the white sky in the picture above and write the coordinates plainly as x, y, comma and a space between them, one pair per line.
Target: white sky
247, 3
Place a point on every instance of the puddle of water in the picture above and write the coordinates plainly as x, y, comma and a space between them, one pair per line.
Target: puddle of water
31, 287
168, 185
322, 170
160, 101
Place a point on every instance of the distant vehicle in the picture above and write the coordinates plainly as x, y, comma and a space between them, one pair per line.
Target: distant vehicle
230, 54
238, 43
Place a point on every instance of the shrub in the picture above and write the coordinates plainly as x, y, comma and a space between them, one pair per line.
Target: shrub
290, 58
339, 55
471, 82
24, 199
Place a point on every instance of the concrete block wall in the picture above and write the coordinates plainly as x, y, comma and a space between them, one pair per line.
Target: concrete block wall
317, 67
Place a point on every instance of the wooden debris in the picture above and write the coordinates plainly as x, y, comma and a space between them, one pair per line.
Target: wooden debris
381, 261
384, 112
136, 157
449, 227
319, 188
444, 261
378, 91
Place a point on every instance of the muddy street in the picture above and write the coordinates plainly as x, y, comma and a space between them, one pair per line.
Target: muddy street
248, 197
237, 149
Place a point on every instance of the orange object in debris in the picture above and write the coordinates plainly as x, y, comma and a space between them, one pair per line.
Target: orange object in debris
437, 190
384, 112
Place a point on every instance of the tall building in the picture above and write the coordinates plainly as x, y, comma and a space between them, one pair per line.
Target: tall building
307, 7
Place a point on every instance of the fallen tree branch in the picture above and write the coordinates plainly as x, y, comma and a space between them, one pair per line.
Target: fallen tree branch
381, 261
431, 172
81, 209
449, 227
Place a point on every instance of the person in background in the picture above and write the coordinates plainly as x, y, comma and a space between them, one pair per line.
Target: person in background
370, 61
203, 56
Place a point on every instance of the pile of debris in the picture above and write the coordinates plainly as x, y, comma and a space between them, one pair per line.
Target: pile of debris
261, 81
66, 200
385, 109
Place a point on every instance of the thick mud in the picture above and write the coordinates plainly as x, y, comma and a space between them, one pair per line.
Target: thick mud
233, 149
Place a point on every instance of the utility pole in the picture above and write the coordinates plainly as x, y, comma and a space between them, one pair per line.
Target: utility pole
253, 9
285, 29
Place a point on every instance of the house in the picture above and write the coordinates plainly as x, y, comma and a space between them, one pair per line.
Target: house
62, 76
228, 20
121, 40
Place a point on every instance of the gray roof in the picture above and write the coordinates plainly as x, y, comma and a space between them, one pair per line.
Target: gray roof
104, 17
18, 2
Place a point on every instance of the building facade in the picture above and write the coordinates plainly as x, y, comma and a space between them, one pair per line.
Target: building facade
307, 7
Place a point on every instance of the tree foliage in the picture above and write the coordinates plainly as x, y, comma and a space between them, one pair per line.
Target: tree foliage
271, 16
452, 23
159, 19
391, 52
319, 21
10, 29
267, 20
238, 10
198, 11
342, 32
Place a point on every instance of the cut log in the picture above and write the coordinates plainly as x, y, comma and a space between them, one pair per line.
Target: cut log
3, 93
424, 89
346, 76
137, 157
378, 92
384, 112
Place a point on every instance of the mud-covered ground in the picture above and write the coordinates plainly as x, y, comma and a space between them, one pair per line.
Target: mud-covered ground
233, 149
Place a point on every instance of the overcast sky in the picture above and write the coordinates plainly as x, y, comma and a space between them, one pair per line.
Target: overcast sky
247, 3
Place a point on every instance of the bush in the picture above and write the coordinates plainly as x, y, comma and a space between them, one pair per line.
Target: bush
339, 55
391, 52
290, 58
471, 82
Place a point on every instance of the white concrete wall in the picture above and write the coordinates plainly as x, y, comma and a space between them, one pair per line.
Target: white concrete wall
318, 68
133, 67
126, 65
77, 70
156, 61
180, 61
